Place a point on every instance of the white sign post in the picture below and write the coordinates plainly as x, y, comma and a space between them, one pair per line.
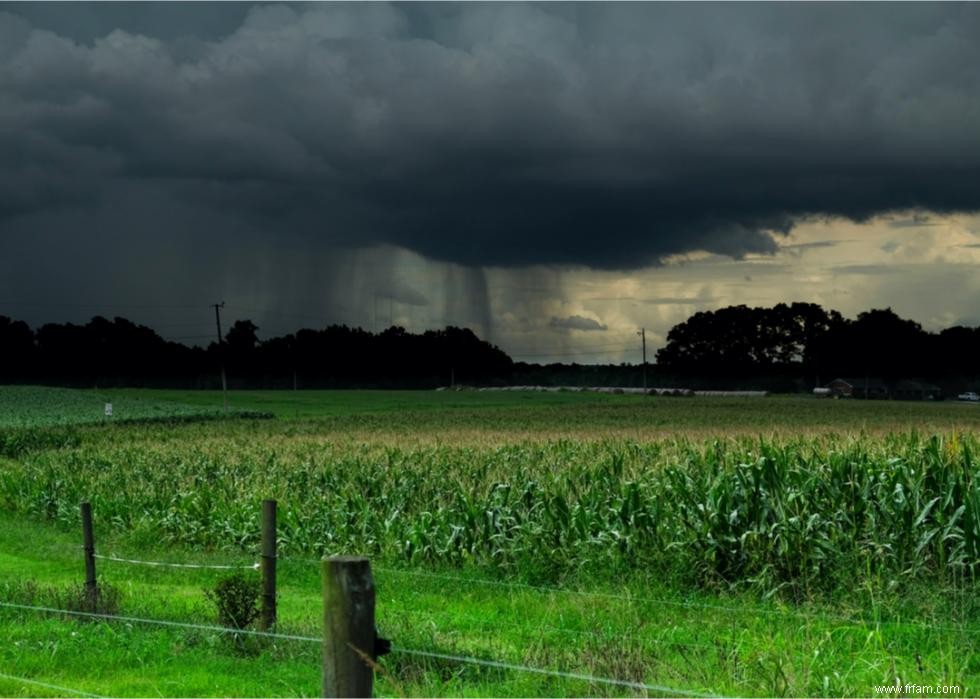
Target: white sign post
108, 409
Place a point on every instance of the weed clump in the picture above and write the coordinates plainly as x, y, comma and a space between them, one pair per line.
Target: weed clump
236, 598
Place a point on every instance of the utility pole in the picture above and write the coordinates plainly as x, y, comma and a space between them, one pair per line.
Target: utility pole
221, 352
292, 359
643, 334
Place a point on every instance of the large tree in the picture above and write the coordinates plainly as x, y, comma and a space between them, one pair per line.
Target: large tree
739, 338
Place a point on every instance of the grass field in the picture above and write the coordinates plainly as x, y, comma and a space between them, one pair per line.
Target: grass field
777, 546
41, 406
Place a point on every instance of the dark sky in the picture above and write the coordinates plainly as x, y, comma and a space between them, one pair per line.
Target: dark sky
297, 156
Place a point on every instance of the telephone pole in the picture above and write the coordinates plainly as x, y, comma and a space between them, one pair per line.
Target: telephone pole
643, 334
221, 352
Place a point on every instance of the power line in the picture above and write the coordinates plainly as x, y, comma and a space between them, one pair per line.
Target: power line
568, 354
174, 338
592, 345
146, 307
306, 316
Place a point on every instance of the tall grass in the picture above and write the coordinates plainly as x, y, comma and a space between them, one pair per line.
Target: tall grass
799, 516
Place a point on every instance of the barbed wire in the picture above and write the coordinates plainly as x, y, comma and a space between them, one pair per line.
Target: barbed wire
165, 564
47, 685
670, 691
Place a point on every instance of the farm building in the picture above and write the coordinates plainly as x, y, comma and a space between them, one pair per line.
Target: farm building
859, 388
904, 389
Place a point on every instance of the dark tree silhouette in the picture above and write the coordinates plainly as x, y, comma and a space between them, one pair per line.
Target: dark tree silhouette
742, 339
786, 347
17, 351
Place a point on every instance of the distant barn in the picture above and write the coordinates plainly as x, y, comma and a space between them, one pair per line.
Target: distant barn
859, 388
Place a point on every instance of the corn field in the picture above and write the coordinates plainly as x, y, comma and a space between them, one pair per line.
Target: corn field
796, 516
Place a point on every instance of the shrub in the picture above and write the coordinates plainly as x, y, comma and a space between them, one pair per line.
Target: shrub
236, 598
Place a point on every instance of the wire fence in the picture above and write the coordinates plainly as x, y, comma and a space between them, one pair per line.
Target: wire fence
608, 638
159, 622
545, 589
168, 564
462, 659
581, 633
581, 677
634, 599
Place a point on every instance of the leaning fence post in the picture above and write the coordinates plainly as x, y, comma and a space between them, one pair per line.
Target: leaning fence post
268, 564
88, 539
348, 627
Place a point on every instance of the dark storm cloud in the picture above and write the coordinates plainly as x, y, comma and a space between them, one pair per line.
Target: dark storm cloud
87, 21
577, 322
492, 134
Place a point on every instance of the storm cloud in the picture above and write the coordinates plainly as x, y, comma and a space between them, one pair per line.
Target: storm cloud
608, 136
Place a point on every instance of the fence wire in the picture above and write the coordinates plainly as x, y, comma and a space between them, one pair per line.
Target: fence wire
166, 564
662, 689
160, 622
671, 691
544, 629
674, 603
54, 687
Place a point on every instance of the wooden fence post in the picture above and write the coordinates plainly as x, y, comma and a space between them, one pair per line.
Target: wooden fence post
348, 627
268, 564
88, 539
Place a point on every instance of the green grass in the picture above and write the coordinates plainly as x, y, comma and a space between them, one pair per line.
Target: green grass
455, 417
729, 644
778, 546
319, 403
42, 406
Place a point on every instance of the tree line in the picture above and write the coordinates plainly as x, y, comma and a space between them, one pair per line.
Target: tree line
119, 352
785, 347
807, 340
